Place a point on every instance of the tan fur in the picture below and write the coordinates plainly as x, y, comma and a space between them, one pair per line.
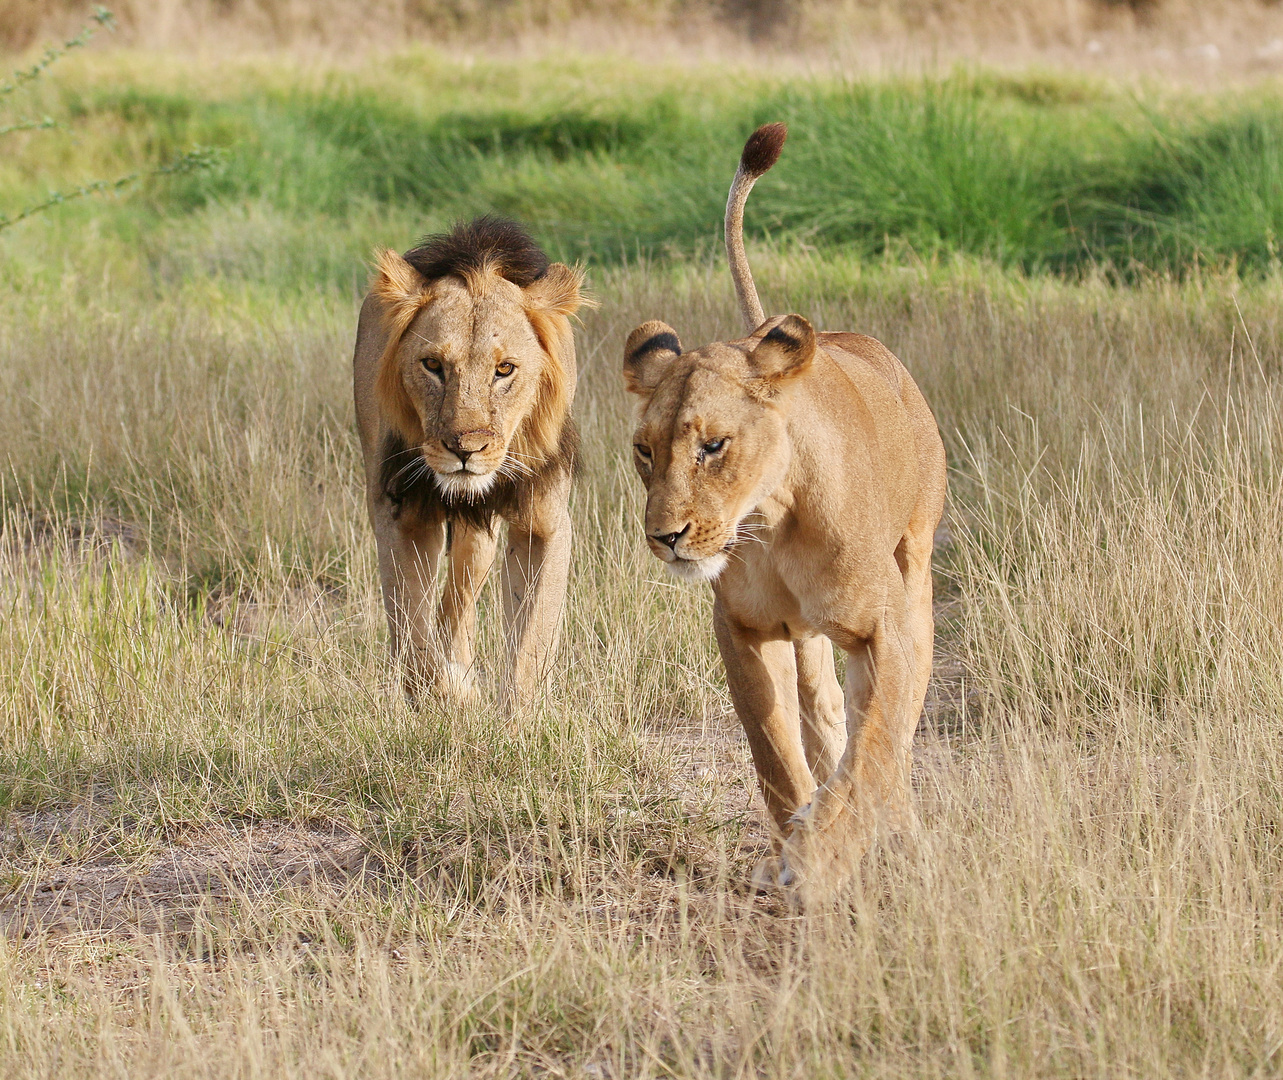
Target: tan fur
803, 475
402, 293
550, 302
507, 427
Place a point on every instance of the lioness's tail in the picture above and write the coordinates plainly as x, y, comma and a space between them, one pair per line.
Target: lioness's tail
760, 152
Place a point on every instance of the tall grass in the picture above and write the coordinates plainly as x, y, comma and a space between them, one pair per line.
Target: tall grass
192, 642
279, 22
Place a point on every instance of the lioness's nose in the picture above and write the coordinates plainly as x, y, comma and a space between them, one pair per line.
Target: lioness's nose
671, 538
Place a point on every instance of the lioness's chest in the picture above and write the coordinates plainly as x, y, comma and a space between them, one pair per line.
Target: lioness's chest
756, 595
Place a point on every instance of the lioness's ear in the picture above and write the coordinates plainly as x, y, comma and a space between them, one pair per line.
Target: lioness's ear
647, 353
400, 288
783, 354
558, 291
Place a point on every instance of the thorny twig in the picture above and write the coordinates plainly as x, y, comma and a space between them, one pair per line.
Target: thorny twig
100, 18
29, 125
199, 158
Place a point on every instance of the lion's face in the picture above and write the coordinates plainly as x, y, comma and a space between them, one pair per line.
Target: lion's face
475, 377
711, 441
472, 367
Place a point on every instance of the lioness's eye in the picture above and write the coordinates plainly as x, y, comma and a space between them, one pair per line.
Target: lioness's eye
643, 452
431, 363
713, 446
503, 370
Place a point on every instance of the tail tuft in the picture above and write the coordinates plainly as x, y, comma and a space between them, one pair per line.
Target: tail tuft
763, 149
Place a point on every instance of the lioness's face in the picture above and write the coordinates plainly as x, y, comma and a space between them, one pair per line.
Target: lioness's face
710, 444
472, 366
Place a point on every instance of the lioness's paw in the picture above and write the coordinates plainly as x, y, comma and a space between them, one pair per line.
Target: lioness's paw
821, 861
771, 876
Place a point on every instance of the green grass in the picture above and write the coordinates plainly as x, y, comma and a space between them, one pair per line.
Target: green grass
1035, 172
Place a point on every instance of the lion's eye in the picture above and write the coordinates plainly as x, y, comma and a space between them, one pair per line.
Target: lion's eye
503, 370
643, 452
431, 363
713, 446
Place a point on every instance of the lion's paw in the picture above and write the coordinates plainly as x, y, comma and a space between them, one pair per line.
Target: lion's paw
458, 682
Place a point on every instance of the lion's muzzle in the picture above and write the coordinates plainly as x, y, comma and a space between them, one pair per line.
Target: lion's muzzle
467, 443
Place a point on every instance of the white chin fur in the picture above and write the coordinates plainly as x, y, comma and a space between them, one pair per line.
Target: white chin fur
699, 569
464, 485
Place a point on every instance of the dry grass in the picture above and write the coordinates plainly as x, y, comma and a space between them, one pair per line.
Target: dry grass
1199, 41
231, 851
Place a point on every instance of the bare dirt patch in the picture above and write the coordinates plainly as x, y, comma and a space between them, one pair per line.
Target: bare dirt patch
164, 889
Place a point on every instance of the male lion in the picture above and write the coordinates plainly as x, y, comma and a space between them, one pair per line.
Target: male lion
464, 377
803, 475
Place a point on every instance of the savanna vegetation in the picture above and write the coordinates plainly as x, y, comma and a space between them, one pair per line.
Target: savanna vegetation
229, 847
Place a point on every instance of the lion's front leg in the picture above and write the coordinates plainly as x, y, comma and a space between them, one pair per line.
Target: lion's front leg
535, 570
870, 784
408, 550
472, 553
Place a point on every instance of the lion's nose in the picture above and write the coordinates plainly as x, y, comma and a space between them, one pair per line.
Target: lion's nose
671, 538
469, 443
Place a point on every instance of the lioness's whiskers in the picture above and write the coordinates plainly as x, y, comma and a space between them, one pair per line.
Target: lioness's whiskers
746, 532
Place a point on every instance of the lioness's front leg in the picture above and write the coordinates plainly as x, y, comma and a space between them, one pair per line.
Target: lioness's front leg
763, 682
871, 778
535, 572
471, 556
408, 548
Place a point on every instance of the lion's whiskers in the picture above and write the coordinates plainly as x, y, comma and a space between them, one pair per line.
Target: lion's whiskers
747, 532
516, 468
422, 465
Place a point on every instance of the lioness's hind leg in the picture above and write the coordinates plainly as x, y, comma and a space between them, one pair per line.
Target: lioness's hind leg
819, 696
870, 783
914, 558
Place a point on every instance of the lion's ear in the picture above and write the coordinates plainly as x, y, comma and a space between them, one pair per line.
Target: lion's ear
558, 291
401, 291
784, 353
400, 288
647, 353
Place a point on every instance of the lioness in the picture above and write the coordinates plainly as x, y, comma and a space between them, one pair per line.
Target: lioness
803, 475
464, 375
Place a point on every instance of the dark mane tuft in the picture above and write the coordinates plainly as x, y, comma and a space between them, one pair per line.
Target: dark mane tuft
471, 247
762, 150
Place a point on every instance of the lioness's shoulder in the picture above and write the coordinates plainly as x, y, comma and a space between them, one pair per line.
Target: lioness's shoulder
859, 351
